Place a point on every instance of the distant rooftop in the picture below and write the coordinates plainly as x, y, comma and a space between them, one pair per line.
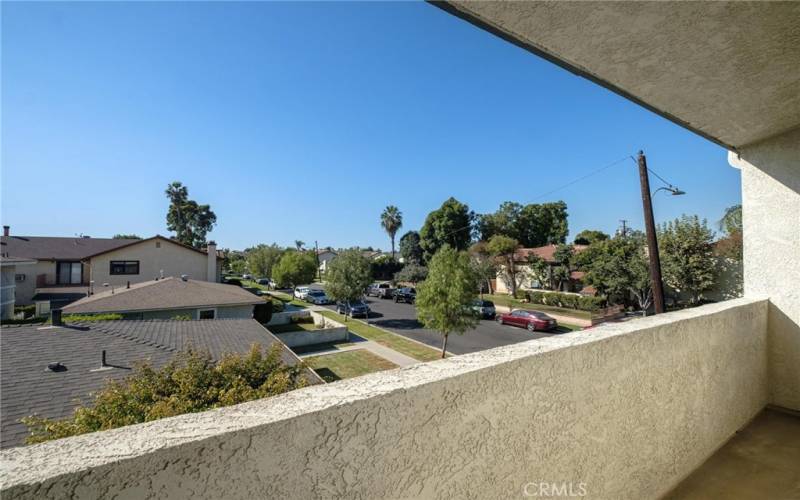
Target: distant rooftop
28, 387
51, 247
166, 293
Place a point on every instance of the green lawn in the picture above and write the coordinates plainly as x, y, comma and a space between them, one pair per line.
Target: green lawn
347, 364
418, 351
293, 327
283, 297
506, 300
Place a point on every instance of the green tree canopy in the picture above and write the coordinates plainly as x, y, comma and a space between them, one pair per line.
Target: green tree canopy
295, 268
450, 224
444, 299
484, 265
261, 260
190, 221
618, 269
503, 248
687, 255
590, 236
412, 273
731, 221
348, 276
391, 221
126, 237
410, 250
531, 225
192, 382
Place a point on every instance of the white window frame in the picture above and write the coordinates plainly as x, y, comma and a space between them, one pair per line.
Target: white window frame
207, 309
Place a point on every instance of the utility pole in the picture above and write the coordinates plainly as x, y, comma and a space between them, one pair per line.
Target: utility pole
624, 227
652, 241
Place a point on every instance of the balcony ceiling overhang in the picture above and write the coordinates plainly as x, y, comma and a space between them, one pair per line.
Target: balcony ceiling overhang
729, 71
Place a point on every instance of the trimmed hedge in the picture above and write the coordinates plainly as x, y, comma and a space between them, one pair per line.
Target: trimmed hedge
565, 300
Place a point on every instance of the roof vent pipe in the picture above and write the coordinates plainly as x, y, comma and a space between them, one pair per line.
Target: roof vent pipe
6, 230
185, 277
129, 284
103, 363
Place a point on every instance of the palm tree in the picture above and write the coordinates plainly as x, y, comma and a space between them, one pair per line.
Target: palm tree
299, 244
392, 221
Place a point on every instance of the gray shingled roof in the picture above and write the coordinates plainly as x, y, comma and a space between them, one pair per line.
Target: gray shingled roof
27, 387
164, 294
50, 247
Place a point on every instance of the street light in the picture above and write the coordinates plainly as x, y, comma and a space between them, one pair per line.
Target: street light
672, 189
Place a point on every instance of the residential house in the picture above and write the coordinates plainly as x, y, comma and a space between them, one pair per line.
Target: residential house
167, 298
9, 276
325, 256
70, 268
31, 387
524, 278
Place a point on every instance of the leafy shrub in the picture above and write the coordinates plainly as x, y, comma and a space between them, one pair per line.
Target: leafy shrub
182, 317
537, 297
277, 306
28, 310
191, 382
384, 269
86, 318
591, 303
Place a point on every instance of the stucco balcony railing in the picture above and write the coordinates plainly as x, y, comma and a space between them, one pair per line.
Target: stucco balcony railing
623, 411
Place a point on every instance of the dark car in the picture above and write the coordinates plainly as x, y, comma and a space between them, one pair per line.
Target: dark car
264, 281
355, 308
484, 309
382, 290
407, 295
532, 320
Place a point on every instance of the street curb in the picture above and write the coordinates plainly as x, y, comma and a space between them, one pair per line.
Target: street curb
447, 353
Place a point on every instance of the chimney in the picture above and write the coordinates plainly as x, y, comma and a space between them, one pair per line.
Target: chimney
211, 273
55, 317
6, 230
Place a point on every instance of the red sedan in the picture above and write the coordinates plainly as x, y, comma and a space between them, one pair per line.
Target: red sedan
532, 320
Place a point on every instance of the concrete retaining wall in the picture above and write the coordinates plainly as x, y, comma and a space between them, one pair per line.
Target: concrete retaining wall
627, 410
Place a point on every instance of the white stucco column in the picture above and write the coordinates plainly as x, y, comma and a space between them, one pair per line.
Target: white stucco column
771, 218
211, 272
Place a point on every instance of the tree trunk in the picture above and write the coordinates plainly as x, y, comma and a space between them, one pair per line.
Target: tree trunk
444, 346
392, 247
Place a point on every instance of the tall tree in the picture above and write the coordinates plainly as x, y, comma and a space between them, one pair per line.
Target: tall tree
589, 236
190, 221
532, 225
484, 265
450, 224
410, 250
618, 269
262, 259
391, 221
447, 293
295, 268
503, 249
731, 221
563, 257
348, 276
411, 273
299, 244
687, 256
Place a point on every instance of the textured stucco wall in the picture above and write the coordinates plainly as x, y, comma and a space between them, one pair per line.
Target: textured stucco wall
771, 217
628, 409
153, 256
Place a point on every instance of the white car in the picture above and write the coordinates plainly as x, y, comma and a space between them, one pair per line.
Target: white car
301, 292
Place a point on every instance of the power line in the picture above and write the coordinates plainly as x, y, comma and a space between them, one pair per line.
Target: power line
570, 183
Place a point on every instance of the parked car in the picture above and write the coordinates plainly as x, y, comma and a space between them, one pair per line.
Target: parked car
381, 290
300, 292
317, 297
356, 308
247, 276
266, 282
484, 309
407, 295
532, 320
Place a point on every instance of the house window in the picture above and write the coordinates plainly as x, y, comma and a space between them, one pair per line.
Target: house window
206, 314
19, 278
69, 273
124, 267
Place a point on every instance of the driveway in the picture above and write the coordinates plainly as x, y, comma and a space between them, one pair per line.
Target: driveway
402, 319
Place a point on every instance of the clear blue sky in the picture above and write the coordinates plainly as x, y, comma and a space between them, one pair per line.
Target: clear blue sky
303, 120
